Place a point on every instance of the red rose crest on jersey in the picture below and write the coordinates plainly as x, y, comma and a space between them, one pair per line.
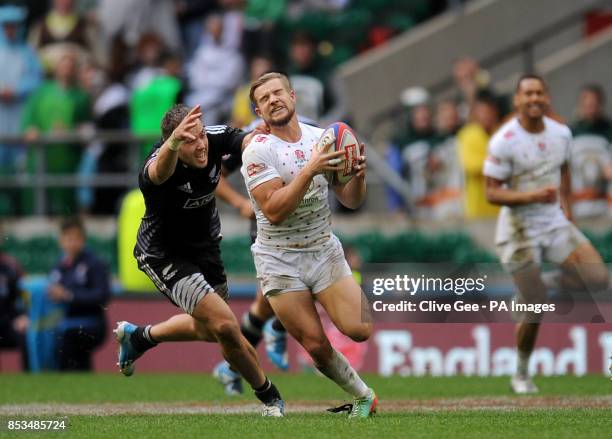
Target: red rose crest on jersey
300, 155
255, 168
260, 138
542, 146
509, 135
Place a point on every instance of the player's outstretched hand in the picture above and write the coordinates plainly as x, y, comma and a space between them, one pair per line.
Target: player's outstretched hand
262, 128
324, 161
546, 194
360, 168
181, 132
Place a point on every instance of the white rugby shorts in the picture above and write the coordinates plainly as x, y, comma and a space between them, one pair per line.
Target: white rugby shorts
280, 271
553, 246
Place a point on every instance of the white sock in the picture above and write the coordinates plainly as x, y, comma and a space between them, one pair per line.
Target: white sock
522, 368
340, 371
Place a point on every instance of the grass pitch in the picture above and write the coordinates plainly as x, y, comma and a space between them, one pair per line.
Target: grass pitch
173, 406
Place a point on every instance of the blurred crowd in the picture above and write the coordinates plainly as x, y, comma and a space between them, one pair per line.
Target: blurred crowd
78, 65
441, 147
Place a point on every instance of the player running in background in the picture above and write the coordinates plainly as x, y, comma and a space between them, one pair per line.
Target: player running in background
527, 172
297, 257
259, 321
178, 248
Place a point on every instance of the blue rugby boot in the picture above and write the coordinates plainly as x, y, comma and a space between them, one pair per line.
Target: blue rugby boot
276, 345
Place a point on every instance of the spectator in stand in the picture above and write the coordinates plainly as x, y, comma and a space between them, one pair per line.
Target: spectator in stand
190, 15
60, 30
243, 112
233, 22
130, 19
591, 115
58, 106
150, 102
443, 173
13, 319
469, 79
448, 121
308, 77
80, 281
148, 60
261, 18
408, 154
591, 164
20, 75
214, 73
110, 111
473, 141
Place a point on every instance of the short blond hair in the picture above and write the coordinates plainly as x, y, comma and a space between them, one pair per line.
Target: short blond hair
265, 78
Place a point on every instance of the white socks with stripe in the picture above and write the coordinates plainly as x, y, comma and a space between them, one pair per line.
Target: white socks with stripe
522, 368
340, 371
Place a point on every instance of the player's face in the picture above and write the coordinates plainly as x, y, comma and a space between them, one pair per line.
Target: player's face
531, 98
195, 153
275, 103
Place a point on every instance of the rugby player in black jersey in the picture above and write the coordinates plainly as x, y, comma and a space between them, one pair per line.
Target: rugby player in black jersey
178, 247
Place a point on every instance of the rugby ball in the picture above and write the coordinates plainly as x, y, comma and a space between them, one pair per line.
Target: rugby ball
339, 136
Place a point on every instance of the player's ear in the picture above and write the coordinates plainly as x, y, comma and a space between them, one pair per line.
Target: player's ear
257, 111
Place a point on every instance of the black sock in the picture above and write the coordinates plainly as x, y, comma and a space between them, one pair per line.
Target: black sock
141, 339
277, 325
251, 328
268, 393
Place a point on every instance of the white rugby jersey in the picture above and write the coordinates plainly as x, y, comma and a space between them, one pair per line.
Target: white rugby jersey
267, 157
528, 161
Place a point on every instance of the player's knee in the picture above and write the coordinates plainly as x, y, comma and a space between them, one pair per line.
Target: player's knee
227, 333
319, 350
360, 333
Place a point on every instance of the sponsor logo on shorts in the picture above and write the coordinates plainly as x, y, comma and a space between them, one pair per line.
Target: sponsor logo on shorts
255, 168
195, 203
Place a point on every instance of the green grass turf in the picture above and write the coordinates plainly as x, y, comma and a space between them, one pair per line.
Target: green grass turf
85, 388
76, 388
576, 423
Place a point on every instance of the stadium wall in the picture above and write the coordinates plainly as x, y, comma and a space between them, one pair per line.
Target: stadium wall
395, 348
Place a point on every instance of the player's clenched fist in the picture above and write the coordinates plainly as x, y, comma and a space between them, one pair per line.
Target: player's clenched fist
181, 132
360, 168
324, 161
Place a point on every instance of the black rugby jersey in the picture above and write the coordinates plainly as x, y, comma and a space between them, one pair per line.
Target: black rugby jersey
181, 215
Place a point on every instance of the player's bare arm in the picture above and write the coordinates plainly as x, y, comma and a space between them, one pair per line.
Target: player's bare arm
352, 194
277, 202
565, 191
227, 193
498, 194
162, 167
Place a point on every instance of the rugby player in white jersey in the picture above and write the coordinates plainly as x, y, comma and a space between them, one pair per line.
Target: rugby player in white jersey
297, 257
527, 173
